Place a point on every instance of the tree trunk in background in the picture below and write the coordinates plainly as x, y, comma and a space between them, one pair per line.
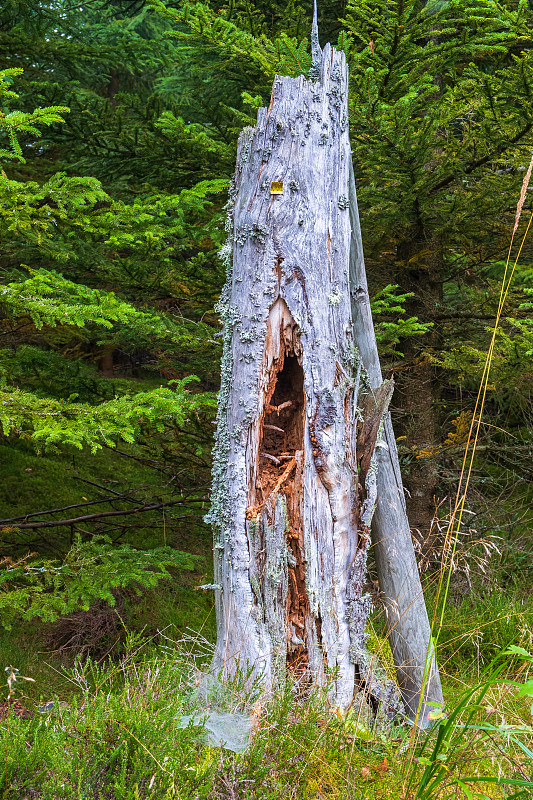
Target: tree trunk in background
105, 364
407, 620
418, 390
294, 465
417, 395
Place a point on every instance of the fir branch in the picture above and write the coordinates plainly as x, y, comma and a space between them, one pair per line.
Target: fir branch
91, 571
61, 422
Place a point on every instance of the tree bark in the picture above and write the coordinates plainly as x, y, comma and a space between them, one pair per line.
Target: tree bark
105, 363
419, 269
407, 620
295, 465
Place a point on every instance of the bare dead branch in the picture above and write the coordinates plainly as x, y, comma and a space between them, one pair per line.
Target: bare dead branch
102, 515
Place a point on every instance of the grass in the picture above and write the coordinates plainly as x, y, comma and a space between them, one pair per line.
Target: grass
119, 737
116, 735
471, 753
475, 631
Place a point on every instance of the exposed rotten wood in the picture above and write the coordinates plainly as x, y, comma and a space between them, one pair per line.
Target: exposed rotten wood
254, 511
271, 457
279, 408
274, 428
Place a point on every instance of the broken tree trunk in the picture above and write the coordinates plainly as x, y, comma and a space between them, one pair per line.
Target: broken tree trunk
294, 464
408, 625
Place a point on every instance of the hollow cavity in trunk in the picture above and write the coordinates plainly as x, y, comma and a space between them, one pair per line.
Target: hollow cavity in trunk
280, 473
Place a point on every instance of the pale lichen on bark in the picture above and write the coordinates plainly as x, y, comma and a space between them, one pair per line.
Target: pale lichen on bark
293, 477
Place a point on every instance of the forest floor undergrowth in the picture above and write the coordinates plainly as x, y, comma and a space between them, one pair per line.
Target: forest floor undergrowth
113, 730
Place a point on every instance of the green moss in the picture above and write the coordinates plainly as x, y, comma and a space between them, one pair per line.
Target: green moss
379, 646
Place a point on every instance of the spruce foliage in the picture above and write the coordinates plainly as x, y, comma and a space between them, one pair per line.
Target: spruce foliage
54, 325
46, 301
47, 589
117, 145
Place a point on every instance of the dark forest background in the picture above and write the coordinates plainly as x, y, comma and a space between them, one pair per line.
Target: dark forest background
120, 121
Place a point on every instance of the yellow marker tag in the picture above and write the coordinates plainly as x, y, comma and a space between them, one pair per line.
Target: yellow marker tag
276, 187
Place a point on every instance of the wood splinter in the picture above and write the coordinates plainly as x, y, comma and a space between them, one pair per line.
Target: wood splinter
272, 458
254, 511
286, 472
279, 408
274, 428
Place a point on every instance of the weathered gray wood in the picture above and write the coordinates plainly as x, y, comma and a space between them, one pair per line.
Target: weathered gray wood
294, 467
399, 580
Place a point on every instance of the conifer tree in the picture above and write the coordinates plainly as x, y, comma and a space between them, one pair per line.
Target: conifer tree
441, 126
108, 210
45, 321
158, 92
441, 123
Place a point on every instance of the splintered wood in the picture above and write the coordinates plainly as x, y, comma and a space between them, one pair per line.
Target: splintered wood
294, 478
280, 473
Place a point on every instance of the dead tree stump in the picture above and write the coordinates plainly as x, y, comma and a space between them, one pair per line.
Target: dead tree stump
294, 465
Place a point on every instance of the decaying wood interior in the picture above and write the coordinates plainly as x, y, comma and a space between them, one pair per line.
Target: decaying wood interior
278, 453
280, 459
